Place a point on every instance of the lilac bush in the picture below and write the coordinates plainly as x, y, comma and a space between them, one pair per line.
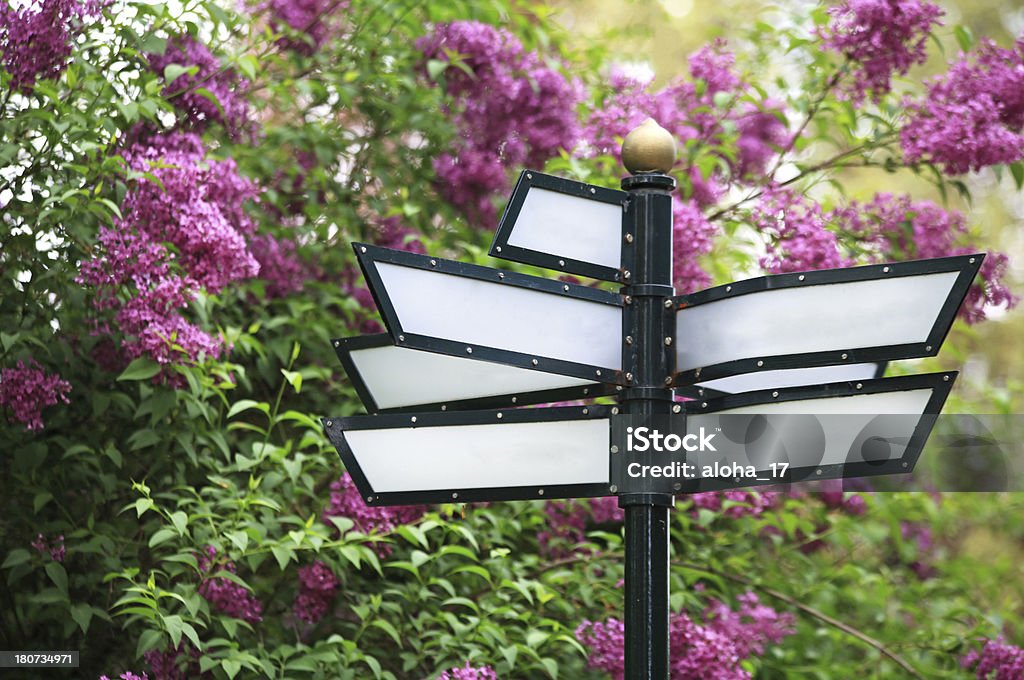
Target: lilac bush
26, 390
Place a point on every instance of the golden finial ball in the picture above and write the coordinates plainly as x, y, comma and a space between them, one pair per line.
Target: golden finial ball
649, 148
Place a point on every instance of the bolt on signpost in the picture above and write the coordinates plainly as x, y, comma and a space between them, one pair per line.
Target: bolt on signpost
466, 345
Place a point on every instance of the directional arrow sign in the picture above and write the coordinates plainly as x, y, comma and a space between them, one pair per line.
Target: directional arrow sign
839, 430
516, 454
390, 378
784, 377
560, 224
481, 313
820, 318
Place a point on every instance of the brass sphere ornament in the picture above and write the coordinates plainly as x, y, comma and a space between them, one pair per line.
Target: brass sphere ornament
649, 148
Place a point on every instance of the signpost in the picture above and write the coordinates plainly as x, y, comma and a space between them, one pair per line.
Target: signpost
785, 370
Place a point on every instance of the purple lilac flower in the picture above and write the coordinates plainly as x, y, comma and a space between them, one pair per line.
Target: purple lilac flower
920, 535
714, 65
468, 672
346, 502
691, 237
972, 116
566, 522
391, 232
54, 547
318, 587
606, 510
305, 16
230, 108
223, 594
834, 497
511, 109
280, 267
35, 40
997, 660
897, 227
128, 675
744, 503
795, 225
882, 38
712, 651
762, 134
180, 663
194, 204
26, 390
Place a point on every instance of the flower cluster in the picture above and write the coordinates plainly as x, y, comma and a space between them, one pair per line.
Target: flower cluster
510, 108
309, 17
346, 502
897, 227
692, 236
973, 116
54, 547
468, 672
741, 503
712, 651
567, 521
799, 239
882, 38
834, 497
176, 663
919, 535
128, 675
35, 39
762, 134
207, 92
997, 660
225, 595
279, 265
26, 390
193, 205
318, 587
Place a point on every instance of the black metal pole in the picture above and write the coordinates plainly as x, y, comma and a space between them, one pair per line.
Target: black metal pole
648, 362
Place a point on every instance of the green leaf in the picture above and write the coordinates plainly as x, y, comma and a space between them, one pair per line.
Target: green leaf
283, 555
231, 667
161, 536
435, 67
55, 570
142, 505
16, 557
173, 71
1017, 170
82, 615
240, 539
174, 626
294, 378
964, 37
389, 629
246, 404
180, 521
140, 369
148, 640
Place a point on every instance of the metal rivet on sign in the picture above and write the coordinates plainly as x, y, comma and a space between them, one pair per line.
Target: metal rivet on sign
728, 289
760, 363
615, 449
444, 407
677, 486
369, 499
540, 492
433, 263
566, 288
971, 260
586, 411
629, 238
668, 342
844, 355
629, 339
928, 348
885, 269
586, 390
696, 373
677, 408
598, 372
497, 249
529, 176
859, 385
775, 394
593, 190
455, 495
469, 350
330, 423
629, 377
500, 415
905, 464
401, 338
515, 399
413, 419
802, 277
615, 410
501, 275
337, 343
618, 388
362, 249
626, 274
561, 263
818, 471
613, 488
945, 378
534, 362
703, 404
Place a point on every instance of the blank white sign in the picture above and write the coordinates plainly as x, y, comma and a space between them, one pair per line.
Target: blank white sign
791, 377
397, 377
569, 226
505, 317
483, 456
812, 318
